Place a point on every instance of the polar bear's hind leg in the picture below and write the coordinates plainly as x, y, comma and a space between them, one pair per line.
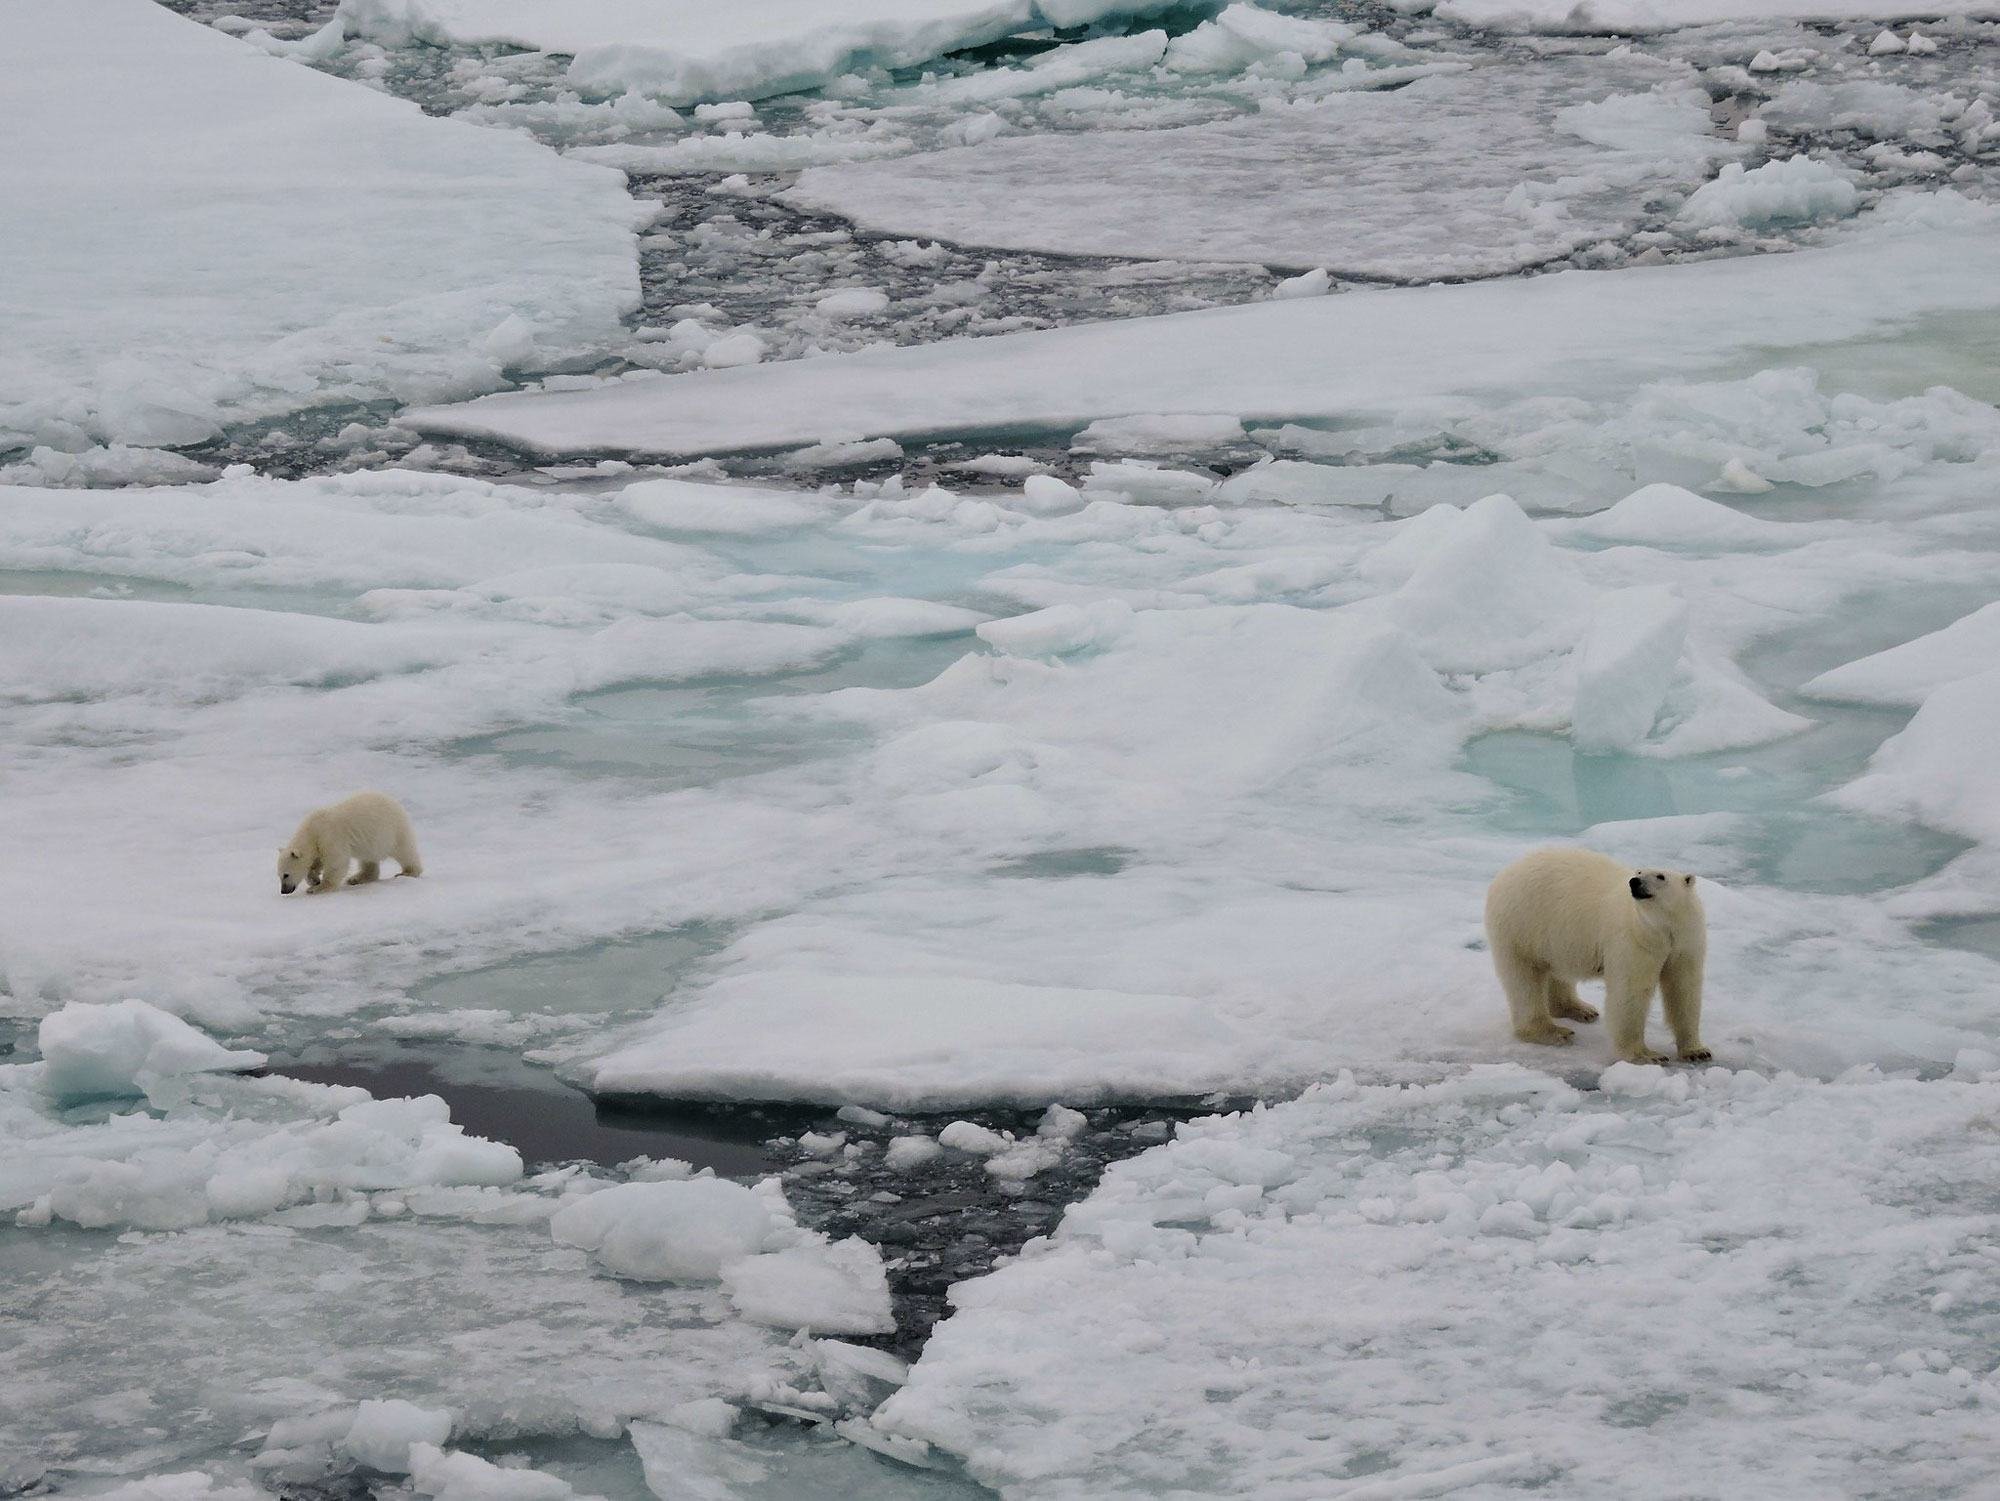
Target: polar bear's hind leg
1527, 987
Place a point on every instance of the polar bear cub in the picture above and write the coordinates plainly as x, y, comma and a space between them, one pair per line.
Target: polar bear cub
1562, 915
369, 827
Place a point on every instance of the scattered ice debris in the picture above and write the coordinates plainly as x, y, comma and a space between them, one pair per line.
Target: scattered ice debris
709, 1229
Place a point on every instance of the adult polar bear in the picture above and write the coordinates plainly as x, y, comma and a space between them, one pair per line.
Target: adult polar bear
1562, 915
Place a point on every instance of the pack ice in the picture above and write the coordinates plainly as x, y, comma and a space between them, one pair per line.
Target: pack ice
320, 243
1449, 176
685, 51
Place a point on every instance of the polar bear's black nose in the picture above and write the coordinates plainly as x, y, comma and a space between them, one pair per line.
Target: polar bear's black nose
285, 888
1639, 891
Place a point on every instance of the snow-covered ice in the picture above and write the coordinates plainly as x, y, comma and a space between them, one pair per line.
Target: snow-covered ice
1461, 175
1641, 16
1066, 735
1367, 352
282, 240
1671, 1285
683, 51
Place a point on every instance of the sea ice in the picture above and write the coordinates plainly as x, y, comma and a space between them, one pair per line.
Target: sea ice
1497, 1280
1462, 175
125, 1048
1642, 16
1791, 190
1368, 352
322, 243
685, 51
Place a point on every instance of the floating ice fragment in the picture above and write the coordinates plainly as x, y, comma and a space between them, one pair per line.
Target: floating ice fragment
817, 1144
1885, 43
1786, 191
853, 302
834, 1288
732, 350
1313, 283
467, 1477
383, 1433
968, 1136
668, 1232
906, 1152
124, 1048
1738, 478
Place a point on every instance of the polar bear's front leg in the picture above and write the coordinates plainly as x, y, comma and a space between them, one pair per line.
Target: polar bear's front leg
334, 874
1680, 994
1628, 996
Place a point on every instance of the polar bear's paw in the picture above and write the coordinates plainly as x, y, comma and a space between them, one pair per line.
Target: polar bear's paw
1697, 1055
1643, 1055
1574, 1010
1548, 1034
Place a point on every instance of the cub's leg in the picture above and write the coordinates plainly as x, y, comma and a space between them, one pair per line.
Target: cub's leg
333, 873
371, 870
1527, 990
1680, 995
405, 853
1563, 1001
1628, 997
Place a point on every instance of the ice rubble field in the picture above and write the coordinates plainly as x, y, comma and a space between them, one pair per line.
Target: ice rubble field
1132, 782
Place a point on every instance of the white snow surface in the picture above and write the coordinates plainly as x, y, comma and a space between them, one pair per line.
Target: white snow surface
1669, 1285
283, 239
1466, 174
684, 51
1367, 352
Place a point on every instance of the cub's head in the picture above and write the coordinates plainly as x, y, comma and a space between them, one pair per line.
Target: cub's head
295, 865
1669, 886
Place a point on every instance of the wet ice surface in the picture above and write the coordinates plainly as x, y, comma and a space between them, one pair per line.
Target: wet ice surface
945, 836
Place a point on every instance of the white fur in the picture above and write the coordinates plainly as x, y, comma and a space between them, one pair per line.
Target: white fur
369, 827
1562, 915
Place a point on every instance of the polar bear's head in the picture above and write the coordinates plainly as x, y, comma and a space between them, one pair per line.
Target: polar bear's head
1668, 886
296, 864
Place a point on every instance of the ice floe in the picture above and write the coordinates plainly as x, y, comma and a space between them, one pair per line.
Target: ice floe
1461, 175
1366, 352
423, 277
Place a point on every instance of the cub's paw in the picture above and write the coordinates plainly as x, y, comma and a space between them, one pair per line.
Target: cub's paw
1697, 1055
1576, 1011
1644, 1055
